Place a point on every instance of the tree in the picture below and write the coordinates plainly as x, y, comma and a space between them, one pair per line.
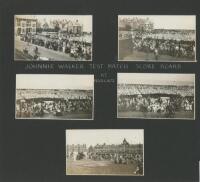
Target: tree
127, 27
56, 26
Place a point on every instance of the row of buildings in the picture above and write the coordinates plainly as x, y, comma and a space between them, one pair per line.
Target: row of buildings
141, 24
29, 24
124, 147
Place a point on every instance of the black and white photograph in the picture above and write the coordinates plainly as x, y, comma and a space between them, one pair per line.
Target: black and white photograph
105, 152
60, 97
156, 95
53, 37
100, 91
157, 38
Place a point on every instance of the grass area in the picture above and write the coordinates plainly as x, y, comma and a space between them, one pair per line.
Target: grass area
79, 115
20, 55
139, 114
90, 167
142, 56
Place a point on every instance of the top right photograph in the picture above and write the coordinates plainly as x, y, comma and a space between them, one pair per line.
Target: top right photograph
170, 38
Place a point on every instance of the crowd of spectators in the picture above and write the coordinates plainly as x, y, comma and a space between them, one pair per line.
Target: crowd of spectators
178, 44
156, 99
76, 48
30, 105
114, 157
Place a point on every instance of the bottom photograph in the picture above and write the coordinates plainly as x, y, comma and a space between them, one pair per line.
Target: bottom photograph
105, 152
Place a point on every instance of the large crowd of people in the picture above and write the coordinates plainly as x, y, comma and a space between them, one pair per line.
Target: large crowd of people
117, 158
37, 105
114, 157
147, 89
77, 48
176, 44
167, 100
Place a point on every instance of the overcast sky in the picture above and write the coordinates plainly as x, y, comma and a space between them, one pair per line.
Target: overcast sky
170, 21
54, 81
108, 136
86, 20
156, 78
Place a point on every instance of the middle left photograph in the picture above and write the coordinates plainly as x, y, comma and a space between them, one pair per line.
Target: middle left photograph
54, 96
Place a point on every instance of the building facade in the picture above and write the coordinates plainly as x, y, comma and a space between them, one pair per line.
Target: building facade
76, 148
25, 25
73, 27
124, 147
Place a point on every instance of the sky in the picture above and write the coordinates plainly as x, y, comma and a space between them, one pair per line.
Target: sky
156, 78
86, 20
170, 21
54, 81
108, 136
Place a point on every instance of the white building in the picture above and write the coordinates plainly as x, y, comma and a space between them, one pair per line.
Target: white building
25, 24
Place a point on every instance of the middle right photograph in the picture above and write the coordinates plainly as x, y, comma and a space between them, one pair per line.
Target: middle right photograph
156, 95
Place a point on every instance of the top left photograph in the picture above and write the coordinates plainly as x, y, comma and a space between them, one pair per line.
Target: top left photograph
53, 38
